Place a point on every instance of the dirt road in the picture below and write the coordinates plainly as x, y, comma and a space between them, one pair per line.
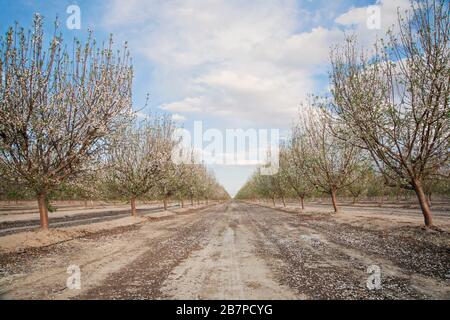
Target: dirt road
233, 251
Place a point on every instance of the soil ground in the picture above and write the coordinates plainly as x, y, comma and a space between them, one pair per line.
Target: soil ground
238, 250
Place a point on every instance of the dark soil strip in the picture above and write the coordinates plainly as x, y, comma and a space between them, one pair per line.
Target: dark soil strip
306, 269
142, 278
67, 221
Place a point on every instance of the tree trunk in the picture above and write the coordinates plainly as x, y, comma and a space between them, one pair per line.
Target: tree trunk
334, 200
192, 201
165, 204
133, 206
182, 203
284, 201
43, 212
302, 202
429, 199
426, 211
207, 201
273, 201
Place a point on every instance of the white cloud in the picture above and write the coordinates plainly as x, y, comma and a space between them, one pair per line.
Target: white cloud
186, 105
388, 13
178, 117
142, 115
227, 58
357, 18
242, 61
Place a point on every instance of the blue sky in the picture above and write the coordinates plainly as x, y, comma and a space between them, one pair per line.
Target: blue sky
229, 63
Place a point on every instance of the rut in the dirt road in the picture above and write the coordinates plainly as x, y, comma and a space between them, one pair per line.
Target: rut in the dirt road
214, 258
227, 267
143, 277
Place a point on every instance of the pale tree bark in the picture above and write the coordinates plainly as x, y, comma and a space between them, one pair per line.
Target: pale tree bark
423, 201
133, 206
284, 201
43, 211
334, 200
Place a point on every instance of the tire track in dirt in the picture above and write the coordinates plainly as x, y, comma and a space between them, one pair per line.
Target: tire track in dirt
227, 266
142, 278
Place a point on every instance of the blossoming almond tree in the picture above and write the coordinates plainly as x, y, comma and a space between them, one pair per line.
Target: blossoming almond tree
331, 163
57, 107
170, 180
293, 162
138, 156
395, 100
